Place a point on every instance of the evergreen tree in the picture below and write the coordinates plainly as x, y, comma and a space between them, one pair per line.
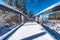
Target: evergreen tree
31, 15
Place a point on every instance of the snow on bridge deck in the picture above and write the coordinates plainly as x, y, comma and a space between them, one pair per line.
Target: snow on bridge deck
31, 31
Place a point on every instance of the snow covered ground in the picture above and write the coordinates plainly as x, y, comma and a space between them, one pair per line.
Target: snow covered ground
54, 25
58, 28
31, 31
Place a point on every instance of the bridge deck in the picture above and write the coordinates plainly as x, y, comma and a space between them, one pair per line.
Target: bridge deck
31, 30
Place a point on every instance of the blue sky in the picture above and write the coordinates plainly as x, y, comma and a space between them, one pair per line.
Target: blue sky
39, 5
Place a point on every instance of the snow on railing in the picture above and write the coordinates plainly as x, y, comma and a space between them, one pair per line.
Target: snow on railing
52, 6
53, 25
13, 8
10, 32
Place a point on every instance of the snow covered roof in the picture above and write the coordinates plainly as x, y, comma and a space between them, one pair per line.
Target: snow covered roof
45, 10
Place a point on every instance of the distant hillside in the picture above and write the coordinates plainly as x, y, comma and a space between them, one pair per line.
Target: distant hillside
54, 16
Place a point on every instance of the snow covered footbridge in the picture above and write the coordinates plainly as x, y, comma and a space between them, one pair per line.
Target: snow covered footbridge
30, 31
15, 25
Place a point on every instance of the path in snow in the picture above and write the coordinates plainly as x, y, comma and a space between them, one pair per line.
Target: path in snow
29, 31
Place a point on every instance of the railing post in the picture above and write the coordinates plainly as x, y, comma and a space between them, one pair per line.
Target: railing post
19, 18
22, 18
42, 17
38, 19
34, 18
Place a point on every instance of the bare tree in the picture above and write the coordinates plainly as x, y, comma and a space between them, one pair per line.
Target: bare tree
16, 3
31, 15
8, 2
23, 7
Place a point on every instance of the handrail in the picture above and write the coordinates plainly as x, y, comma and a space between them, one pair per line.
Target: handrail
6, 7
10, 32
47, 9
